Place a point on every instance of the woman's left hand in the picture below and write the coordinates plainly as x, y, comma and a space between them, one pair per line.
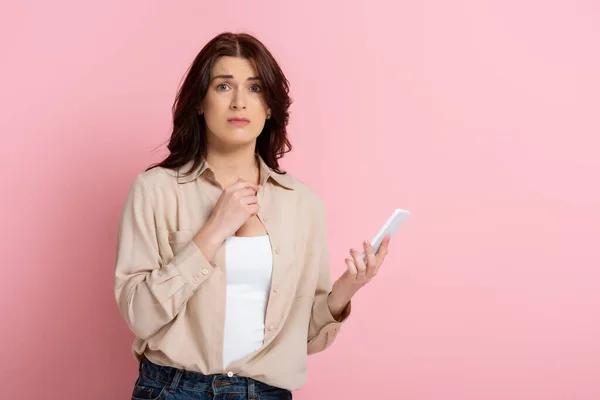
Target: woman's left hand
360, 272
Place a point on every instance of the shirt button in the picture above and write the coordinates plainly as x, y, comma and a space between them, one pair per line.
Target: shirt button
230, 374
275, 289
265, 219
270, 328
204, 271
195, 279
277, 250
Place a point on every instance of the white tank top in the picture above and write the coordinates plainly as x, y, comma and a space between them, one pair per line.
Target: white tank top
249, 265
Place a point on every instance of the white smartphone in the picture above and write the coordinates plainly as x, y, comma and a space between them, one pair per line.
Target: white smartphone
390, 227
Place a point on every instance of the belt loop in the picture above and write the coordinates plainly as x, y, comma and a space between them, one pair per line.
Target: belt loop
175, 382
251, 389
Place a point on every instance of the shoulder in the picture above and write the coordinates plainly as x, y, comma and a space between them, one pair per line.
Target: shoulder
157, 176
308, 195
154, 182
311, 213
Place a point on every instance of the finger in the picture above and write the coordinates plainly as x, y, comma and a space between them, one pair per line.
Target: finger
249, 200
241, 184
253, 209
351, 268
360, 264
371, 260
244, 192
383, 251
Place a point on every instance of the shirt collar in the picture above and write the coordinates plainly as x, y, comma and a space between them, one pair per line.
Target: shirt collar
266, 172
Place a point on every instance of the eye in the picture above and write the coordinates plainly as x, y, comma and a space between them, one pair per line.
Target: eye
222, 87
255, 88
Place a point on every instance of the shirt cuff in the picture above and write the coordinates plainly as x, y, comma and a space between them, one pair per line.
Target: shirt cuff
193, 265
322, 315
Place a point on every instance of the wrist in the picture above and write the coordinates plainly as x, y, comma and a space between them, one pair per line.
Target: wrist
339, 298
212, 232
208, 239
344, 288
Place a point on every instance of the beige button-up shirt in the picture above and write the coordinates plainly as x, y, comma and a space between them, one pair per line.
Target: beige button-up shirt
173, 298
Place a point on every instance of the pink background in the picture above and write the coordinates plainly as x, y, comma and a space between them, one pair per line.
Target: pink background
483, 117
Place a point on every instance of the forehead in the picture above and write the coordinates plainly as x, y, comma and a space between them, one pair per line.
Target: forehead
240, 68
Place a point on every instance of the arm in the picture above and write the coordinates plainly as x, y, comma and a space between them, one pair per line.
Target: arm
329, 310
149, 293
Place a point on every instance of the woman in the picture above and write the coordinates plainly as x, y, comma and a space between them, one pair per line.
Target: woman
222, 265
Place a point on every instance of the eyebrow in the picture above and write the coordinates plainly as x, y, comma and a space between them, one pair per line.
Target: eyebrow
252, 78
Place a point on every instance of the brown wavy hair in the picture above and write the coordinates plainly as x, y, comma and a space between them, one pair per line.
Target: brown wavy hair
188, 139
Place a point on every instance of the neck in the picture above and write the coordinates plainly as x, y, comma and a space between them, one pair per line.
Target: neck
228, 166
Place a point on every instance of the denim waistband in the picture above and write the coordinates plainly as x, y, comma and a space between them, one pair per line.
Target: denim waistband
216, 383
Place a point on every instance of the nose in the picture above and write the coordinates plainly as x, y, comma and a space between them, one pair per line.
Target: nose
238, 102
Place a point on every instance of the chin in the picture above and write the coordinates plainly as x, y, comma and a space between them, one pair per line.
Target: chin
245, 131
240, 140
237, 136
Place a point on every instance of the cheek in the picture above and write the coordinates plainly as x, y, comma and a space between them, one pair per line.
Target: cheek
258, 103
215, 105
215, 111
258, 126
215, 123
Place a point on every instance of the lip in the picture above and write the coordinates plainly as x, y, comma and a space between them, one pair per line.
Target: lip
239, 121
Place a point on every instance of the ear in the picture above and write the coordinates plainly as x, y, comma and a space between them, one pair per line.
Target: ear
268, 113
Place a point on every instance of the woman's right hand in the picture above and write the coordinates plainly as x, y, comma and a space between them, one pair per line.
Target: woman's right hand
234, 207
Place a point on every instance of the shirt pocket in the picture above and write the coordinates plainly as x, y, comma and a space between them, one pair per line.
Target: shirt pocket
177, 240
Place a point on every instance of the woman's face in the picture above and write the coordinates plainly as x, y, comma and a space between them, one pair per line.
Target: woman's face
234, 108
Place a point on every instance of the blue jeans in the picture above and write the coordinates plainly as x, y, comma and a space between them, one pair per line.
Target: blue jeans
156, 382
